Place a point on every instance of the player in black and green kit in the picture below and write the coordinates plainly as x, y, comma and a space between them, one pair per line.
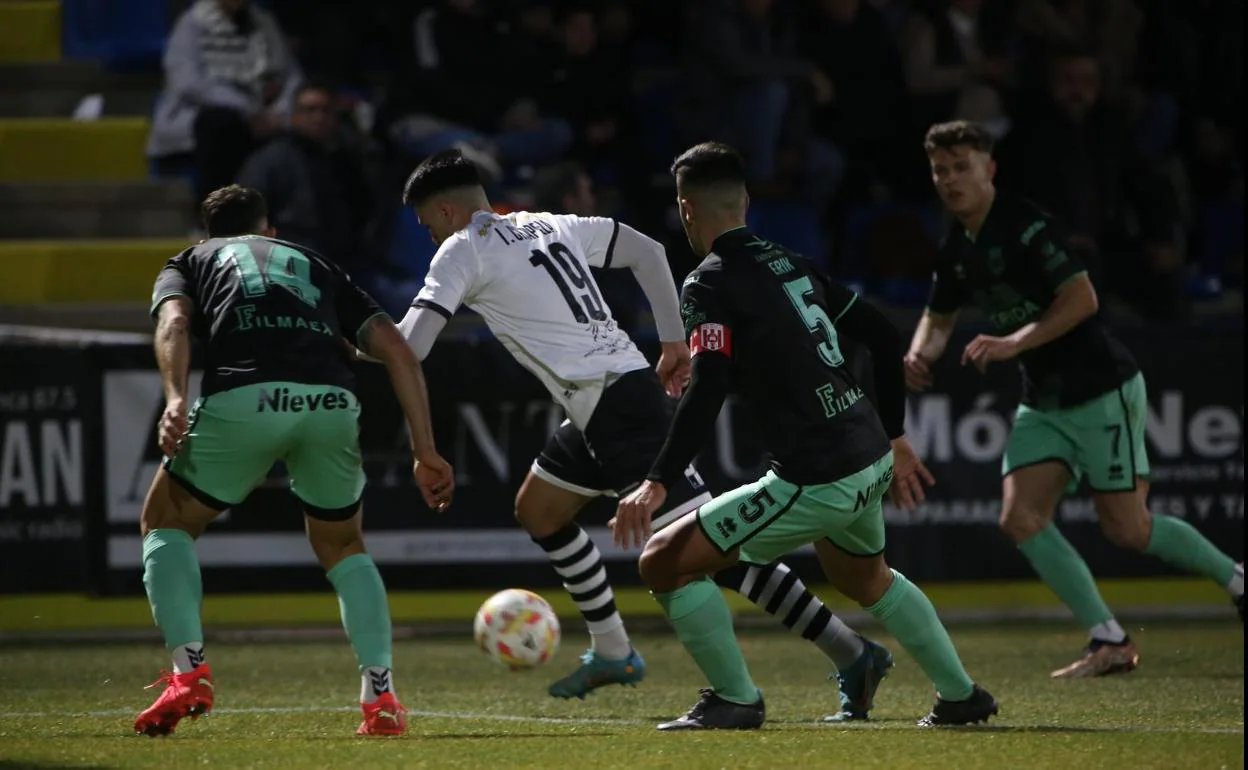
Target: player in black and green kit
760, 317
1083, 410
272, 318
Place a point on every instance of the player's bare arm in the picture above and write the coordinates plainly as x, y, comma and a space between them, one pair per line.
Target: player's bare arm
866, 323
173, 357
381, 339
926, 347
695, 418
355, 354
647, 260
1074, 303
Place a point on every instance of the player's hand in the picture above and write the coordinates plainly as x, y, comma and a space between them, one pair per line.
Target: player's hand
436, 480
633, 514
918, 372
983, 350
674, 368
172, 428
909, 476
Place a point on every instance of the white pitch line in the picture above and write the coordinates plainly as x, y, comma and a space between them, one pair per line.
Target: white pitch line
468, 716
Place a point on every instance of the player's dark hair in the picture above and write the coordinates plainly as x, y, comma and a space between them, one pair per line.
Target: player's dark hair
233, 210
553, 183
958, 133
709, 164
438, 173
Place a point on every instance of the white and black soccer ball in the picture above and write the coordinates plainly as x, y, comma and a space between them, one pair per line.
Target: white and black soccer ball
517, 629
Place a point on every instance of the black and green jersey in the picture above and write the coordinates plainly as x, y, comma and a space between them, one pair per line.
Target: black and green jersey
267, 311
1011, 272
775, 318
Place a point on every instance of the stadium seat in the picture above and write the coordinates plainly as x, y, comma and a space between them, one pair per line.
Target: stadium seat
30, 32
35, 272
860, 245
129, 35
411, 249
1222, 239
655, 101
60, 149
795, 225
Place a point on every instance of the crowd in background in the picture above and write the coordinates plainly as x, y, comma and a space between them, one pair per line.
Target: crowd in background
1122, 117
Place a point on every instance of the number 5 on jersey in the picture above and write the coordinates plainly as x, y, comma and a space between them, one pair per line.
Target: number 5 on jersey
800, 292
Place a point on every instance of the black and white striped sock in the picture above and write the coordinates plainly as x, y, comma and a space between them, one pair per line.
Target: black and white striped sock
575, 557
779, 592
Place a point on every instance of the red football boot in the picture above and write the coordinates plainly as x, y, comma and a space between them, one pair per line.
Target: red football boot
185, 695
383, 716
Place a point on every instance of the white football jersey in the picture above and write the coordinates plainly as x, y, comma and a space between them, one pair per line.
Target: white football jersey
528, 276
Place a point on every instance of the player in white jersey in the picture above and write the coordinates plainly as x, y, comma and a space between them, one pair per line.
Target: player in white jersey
528, 276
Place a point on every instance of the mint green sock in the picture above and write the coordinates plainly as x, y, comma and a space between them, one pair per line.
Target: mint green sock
908, 615
1066, 574
703, 624
365, 612
174, 589
1179, 544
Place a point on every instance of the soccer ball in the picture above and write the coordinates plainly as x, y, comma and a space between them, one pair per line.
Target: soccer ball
517, 629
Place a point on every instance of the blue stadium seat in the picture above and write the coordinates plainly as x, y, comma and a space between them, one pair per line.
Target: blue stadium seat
796, 225
120, 35
1222, 238
411, 249
856, 233
655, 103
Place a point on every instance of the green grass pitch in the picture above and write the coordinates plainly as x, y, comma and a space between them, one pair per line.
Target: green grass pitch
292, 706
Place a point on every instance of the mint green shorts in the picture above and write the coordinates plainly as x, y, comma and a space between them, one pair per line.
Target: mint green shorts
1101, 439
772, 517
236, 436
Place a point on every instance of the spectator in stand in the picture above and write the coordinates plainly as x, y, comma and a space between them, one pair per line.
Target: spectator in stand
1075, 156
867, 117
583, 88
533, 30
1211, 135
457, 93
1139, 44
1111, 28
951, 71
565, 188
1215, 104
744, 83
314, 182
617, 33
229, 82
